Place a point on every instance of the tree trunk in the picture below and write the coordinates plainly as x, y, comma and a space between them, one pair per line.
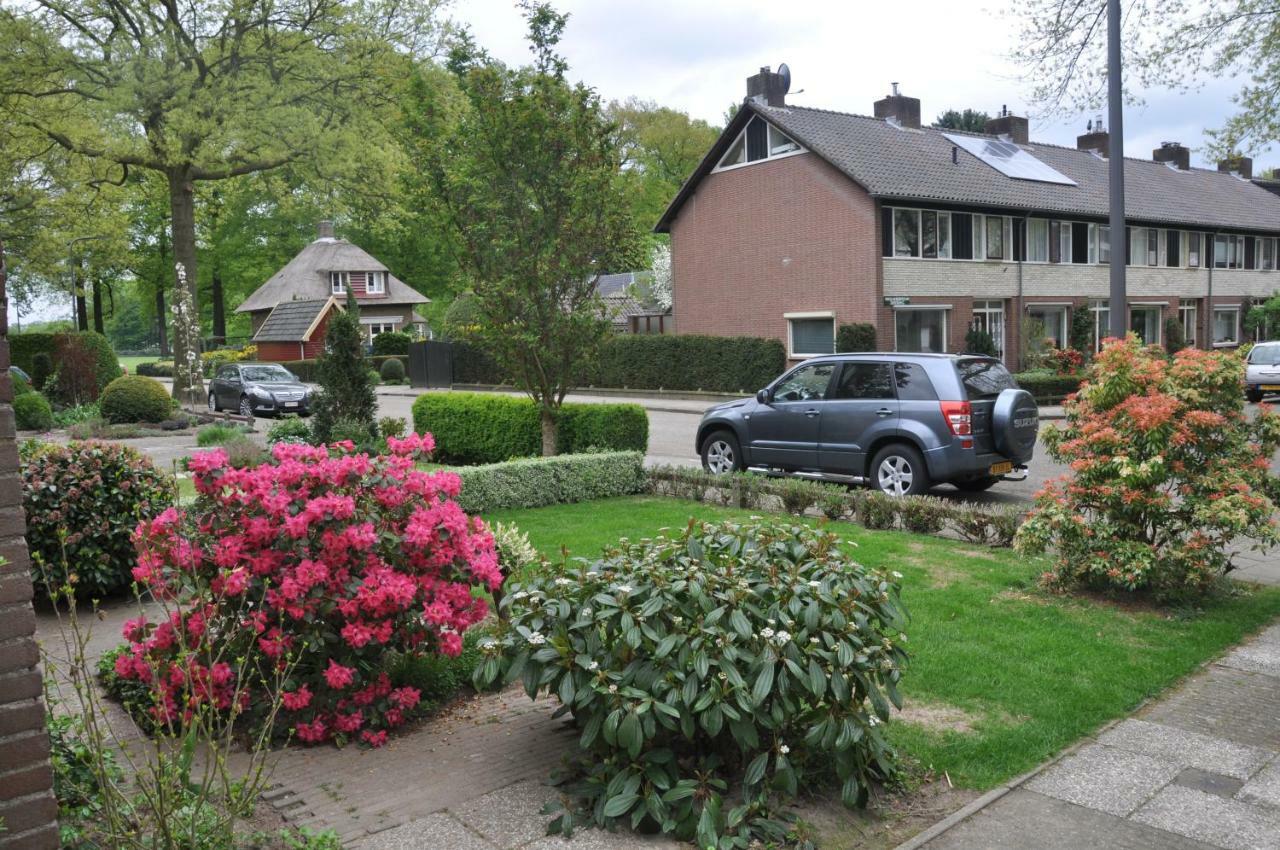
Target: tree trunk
548, 432
162, 321
77, 291
187, 380
219, 307
4, 295
97, 306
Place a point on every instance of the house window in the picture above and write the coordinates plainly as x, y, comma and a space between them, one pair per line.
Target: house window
376, 328
922, 330
1173, 248
810, 335
1267, 254
1153, 246
1144, 320
759, 140
995, 237
338, 283
906, 233
989, 316
780, 143
1194, 242
944, 235
928, 234
377, 283
1226, 325
1101, 323
1104, 244
1093, 243
1037, 240
1054, 320
1187, 315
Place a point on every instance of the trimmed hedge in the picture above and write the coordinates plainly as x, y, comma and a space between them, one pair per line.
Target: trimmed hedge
472, 428
159, 369
541, 481
392, 343
306, 369
32, 412
134, 398
392, 369
24, 348
859, 336
1047, 387
473, 365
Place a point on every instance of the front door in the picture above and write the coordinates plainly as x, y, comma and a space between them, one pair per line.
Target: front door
860, 406
785, 432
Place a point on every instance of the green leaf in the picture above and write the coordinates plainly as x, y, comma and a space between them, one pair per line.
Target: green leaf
755, 770
629, 734
665, 646
764, 684
619, 805
740, 624
817, 679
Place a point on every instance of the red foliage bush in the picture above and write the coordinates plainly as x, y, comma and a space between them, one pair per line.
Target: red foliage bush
314, 568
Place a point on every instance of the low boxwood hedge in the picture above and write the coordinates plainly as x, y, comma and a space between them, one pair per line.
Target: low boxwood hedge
305, 370
1048, 387
158, 369
540, 481
472, 428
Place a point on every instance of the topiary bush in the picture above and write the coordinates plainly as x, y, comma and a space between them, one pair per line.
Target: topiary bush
32, 412
750, 656
83, 501
859, 336
341, 562
1167, 470
392, 369
133, 398
393, 342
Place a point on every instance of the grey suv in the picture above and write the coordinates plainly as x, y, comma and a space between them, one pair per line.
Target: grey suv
902, 422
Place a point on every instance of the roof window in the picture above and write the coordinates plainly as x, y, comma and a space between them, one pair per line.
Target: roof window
759, 140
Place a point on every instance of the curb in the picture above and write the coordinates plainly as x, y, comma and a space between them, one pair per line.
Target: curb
621, 392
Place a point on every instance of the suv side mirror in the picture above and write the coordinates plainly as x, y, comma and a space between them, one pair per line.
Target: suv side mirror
764, 396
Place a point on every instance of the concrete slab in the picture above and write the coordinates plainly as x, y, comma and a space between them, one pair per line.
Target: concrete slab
1110, 780
596, 839
1208, 782
510, 816
1259, 657
438, 830
1205, 817
1264, 788
1235, 705
1188, 749
1024, 819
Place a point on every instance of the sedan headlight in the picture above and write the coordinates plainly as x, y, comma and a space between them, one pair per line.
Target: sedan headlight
260, 393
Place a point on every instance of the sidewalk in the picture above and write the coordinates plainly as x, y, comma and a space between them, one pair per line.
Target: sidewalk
1197, 770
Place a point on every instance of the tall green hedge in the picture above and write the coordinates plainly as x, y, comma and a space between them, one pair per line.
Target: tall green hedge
24, 347
471, 428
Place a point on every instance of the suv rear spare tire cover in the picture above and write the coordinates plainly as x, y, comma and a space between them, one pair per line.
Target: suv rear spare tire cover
1015, 422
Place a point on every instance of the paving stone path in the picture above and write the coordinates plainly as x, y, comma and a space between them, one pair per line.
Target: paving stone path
1198, 770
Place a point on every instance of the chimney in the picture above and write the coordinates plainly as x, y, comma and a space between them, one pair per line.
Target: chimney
1013, 126
324, 230
1237, 164
900, 108
1175, 153
767, 87
1095, 138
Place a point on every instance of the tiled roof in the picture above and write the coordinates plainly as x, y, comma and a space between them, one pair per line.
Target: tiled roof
291, 321
916, 165
306, 276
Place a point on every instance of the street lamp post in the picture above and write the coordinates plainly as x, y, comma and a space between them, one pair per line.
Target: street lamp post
1115, 153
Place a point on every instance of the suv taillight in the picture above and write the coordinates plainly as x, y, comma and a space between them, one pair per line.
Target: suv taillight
959, 416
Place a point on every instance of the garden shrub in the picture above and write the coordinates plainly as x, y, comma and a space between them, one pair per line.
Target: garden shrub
86, 364
393, 342
212, 361
322, 566
391, 426
1048, 387
289, 429
535, 482
859, 336
1081, 333
924, 514
83, 501
797, 494
979, 341
488, 427
1167, 471
159, 369
687, 362
878, 510
133, 398
20, 386
244, 453
362, 435
76, 414
392, 369
374, 377
23, 348
1175, 336
834, 501
32, 412
217, 434
747, 656
346, 383
437, 678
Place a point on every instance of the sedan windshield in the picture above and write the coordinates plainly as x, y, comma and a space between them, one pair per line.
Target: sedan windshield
267, 374
1265, 355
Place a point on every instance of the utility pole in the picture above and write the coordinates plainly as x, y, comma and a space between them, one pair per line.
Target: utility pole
1115, 153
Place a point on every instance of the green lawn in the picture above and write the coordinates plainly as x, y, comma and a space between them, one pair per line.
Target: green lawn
1029, 671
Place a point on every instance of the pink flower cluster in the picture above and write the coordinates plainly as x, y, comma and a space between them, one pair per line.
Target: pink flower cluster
313, 567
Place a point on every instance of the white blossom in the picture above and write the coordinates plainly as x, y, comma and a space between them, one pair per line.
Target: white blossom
593, 666
766, 632
613, 689
784, 749
897, 574
660, 278
623, 588
815, 583
873, 721
537, 638
782, 638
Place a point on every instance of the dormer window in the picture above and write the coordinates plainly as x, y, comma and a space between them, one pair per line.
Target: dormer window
338, 283
759, 140
377, 283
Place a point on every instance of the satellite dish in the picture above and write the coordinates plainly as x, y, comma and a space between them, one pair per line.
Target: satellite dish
785, 73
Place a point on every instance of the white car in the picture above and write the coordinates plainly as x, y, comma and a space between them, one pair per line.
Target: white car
1262, 371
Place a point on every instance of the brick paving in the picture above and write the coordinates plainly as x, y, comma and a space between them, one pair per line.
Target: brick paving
1199, 769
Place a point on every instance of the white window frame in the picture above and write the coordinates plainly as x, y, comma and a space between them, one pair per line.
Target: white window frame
381, 278
893, 227
987, 309
1003, 223
338, 282
1104, 244
768, 147
1188, 314
1147, 306
1213, 326
1098, 308
1037, 253
792, 354
1064, 325
1187, 237
945, 309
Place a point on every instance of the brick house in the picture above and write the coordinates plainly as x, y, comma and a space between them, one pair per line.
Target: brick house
799, 220
301, 294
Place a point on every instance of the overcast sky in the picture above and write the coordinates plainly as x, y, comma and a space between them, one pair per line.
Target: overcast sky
695, 55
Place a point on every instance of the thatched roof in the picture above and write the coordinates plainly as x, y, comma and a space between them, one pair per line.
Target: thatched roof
306, 277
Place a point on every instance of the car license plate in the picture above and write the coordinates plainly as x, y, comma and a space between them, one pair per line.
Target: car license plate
1271, 387
1001, 468
290, 404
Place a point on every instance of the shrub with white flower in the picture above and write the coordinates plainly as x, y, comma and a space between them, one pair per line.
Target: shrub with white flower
747, 656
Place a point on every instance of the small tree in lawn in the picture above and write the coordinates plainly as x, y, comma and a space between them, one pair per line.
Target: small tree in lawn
526, 169
346, 394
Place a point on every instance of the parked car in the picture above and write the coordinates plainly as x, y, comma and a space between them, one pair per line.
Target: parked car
1262, 371
253, 388
19, 372
902, 422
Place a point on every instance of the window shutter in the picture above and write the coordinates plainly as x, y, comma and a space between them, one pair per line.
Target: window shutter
1019, 239
1173, 248
961, 236
886, 232
1249, 256
1079, 242
1128, 246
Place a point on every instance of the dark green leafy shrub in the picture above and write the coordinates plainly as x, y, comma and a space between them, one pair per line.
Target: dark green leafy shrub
474, 428
798, 494
924, 514
754, 657
395, 342
834, 501
32, 412
363, 434
83, 501
1048, 387
346, 381
392, 369
289, 429
979, 341
391, 426
1081, 334
878, 510
440, 678
23, 348
86, 364
159, 369
243, 452
688, 362
859, 336
41, 369
133, 398
374, 377
535, 482
69, 416
1175, 336
20, 387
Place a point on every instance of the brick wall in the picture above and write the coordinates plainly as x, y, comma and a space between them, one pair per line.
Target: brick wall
27, 806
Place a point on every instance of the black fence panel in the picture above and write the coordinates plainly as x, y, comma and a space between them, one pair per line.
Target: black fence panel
430, 364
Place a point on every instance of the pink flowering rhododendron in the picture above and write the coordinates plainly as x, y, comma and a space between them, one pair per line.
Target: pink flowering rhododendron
314, 567
1167, 471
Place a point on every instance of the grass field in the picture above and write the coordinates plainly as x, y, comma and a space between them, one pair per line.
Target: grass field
131, 362
1003, 674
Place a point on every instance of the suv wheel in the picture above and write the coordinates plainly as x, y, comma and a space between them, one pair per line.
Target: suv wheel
898, 470
720, 453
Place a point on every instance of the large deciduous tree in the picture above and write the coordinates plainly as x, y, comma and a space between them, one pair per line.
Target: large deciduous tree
526, 168
970, 120
202, 90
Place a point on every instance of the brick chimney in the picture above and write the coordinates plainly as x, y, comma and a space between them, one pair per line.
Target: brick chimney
767, 87
905, 110
324, 230
1095, 138
1008, 124
1173, 152
1237, 164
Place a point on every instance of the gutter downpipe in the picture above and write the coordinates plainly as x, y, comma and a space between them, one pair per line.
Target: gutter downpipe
1022, 256
1211, 260
1115, 108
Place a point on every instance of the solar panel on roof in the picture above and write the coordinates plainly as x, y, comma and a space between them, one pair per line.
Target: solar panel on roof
1009, 159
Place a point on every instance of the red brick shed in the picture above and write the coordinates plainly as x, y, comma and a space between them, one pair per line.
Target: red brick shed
294, 330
